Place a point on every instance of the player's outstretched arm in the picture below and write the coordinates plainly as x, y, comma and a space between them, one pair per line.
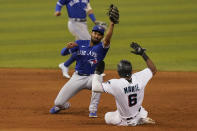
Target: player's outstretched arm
107, 38
149, 63
71, 45
113, 14
90, 13
138, 50
58, 7
69, 48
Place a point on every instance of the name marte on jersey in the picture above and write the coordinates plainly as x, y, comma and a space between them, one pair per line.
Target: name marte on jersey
81, 52
90, 53
129, 89
71, 3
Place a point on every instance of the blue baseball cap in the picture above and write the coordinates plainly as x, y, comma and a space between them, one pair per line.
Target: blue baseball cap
98, 28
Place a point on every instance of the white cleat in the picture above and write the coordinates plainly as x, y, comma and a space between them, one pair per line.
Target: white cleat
66, 75
64, 70
146, 120
103, 74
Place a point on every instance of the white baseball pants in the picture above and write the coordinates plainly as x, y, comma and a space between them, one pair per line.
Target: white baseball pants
114, 118
73, 86
79, 30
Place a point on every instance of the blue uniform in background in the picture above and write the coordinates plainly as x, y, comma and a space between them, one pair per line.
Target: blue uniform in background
75, 8
77, 25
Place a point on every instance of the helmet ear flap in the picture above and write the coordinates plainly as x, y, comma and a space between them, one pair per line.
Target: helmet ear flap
124, 68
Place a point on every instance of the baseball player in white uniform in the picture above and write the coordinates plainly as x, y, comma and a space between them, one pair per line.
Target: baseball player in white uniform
77, 24
128, 91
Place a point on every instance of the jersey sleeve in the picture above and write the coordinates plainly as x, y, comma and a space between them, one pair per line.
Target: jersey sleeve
144, 76
107, 47
63, 2
66, 51
74, 49
108, 86
103, 50
59, 4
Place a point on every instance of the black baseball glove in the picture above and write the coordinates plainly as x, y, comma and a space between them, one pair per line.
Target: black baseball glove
138, 50
100, 68
113, 14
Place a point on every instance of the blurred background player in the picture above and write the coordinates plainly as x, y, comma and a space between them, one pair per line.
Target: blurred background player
128, 91
77, 24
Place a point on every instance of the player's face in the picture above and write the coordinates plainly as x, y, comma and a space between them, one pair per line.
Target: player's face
96, 37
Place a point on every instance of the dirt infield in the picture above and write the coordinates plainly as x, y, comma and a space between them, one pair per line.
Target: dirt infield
26, 95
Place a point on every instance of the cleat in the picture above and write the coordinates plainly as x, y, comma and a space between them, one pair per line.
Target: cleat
103, 74
55, 110
66, 106
147, 120
93, 115
64, 70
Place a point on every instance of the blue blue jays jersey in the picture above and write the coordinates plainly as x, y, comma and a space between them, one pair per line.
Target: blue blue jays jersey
87, 56
75, 8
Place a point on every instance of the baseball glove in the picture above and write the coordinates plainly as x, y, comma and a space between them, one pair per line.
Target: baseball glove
138, 50
113, 14
101, 23
100, 68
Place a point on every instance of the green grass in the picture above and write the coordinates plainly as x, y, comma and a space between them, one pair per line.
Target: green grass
32, 37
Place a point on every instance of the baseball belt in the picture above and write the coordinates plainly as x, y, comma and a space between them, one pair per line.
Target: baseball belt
81, 74
78, 19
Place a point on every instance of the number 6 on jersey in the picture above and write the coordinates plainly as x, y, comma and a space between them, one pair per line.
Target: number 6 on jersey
132, 98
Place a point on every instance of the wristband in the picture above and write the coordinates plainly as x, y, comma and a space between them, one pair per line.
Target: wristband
145, 57
58, 7
92, 17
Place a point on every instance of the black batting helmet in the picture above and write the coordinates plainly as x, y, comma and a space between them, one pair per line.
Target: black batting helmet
124, 68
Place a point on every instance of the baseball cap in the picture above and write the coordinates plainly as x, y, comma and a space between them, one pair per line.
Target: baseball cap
98, 28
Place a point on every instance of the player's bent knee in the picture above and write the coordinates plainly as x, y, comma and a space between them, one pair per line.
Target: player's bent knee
108, 118
112, 118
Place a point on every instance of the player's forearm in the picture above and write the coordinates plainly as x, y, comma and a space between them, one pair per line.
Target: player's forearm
149, 63
91, 16
69, 49
108, 35
90, 13
65, 51
97, 83
58, 7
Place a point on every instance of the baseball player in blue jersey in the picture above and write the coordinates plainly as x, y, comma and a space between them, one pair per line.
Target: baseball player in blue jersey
77, 12
88, 54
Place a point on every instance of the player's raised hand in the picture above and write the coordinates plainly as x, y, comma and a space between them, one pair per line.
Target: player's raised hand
57, 13
71, 45
138, 50
113, 14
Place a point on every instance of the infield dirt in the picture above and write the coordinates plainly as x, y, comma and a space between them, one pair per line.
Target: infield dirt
26, 95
